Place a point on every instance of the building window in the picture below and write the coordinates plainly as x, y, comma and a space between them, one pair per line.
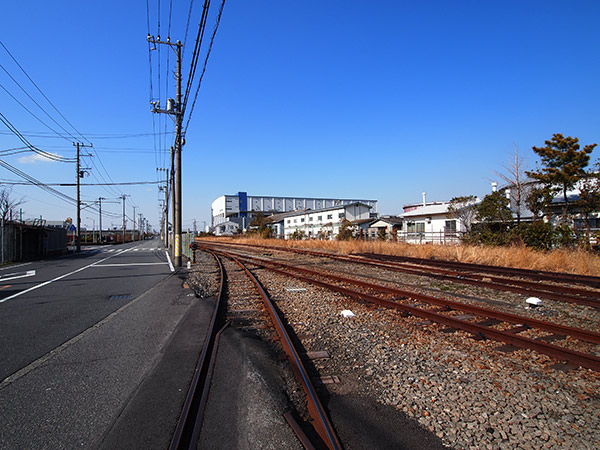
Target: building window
302, 220
295, 220
341, 215
289, 221
310, 219
320, 218
330, 216
450, 225
420, 227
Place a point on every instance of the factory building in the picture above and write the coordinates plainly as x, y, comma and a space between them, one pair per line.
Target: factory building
240, 209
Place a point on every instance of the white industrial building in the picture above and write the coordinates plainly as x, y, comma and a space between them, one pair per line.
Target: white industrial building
241, 208
323, 223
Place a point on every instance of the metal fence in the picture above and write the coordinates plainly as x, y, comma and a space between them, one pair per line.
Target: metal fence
431, 237
24, 242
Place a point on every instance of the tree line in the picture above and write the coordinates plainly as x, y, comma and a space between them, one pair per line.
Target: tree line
563, 166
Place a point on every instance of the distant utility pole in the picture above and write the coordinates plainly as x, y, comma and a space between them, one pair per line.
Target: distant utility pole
80, 172
174, 109
140, 226
133, 227
165, 209
100, 214
124, 223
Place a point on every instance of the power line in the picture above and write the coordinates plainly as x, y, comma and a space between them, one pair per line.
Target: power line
41, 92
212, 39
33, 114
42, 134
195, 54
16, 132
38, 183
126, 183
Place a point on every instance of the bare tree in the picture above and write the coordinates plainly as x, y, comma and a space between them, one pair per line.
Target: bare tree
516, 180
463, 209
8, 205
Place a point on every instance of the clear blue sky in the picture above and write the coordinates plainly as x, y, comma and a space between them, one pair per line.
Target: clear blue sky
378, 100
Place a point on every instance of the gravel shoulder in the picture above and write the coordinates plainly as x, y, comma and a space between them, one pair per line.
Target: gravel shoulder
465, 392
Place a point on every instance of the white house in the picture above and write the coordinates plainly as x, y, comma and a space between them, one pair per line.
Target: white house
326, 222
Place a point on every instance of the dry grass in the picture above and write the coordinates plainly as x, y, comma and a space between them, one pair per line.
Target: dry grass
570, 261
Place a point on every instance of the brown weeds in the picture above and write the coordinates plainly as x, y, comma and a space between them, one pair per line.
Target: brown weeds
569, 261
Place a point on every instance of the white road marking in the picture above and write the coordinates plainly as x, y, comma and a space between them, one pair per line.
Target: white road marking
170, 263
45, 283
131, 264
29, 273
15, 266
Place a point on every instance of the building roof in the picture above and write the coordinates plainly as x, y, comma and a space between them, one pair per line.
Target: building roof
391, 220
331, 208
428, 210
274, 218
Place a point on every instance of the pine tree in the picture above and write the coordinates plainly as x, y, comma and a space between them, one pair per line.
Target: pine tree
563, 164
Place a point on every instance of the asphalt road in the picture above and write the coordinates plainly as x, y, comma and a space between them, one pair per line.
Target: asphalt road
80, 334
68, 295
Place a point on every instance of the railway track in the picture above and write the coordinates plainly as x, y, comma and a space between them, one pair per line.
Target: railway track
253, 299
481, 322
514, 280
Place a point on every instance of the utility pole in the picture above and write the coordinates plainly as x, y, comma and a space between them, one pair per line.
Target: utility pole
172, 193
141, 230
100, 214
178, 144
124, 226
133, 227
80, 173
165, 209
175, 110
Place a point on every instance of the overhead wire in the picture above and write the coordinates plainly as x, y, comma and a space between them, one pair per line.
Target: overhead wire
44, 95
33, 114
33, 148
195, 54
212, 39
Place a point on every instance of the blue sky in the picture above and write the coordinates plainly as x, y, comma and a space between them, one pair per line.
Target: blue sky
378, 100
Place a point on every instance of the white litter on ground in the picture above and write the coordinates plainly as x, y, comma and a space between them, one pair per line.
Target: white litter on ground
533, 301
347, 313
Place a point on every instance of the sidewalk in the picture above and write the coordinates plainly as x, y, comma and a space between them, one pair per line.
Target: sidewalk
81, 394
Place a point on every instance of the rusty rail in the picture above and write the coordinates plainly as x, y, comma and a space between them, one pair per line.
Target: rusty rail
575, 357
321, 421
428, 268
